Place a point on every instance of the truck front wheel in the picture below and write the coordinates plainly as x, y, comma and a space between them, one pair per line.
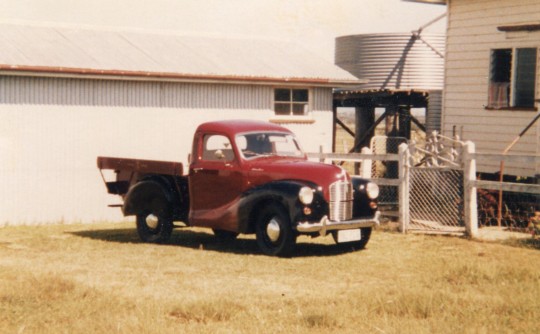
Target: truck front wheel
274, 233
153, 227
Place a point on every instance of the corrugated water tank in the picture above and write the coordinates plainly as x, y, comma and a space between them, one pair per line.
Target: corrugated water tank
397, 61
393, 61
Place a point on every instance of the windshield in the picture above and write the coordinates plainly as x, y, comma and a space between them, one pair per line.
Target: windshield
261, 144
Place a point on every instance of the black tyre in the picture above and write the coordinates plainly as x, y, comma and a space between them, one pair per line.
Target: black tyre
355, 245
225, 236
154, 227
275, 236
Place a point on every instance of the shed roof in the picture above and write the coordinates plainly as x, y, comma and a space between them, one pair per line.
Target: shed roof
75, 51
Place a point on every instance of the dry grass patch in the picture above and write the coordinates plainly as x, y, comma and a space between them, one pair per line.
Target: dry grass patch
101, 279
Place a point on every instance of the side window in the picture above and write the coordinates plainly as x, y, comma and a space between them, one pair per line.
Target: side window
291, 102
512, 78
217, 148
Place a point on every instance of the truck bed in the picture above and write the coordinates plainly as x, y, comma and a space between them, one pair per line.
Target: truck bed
128, 170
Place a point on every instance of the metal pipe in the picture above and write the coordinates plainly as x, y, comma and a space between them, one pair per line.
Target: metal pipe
435, 20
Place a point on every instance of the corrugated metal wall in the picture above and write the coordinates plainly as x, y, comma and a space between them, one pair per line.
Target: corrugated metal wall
322, 99
26, 90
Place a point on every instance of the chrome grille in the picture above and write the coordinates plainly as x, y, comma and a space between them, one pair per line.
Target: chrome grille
341, 201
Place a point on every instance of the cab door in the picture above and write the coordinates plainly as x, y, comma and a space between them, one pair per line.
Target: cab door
215, 183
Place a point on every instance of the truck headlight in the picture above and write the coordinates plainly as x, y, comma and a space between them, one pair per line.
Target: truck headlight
372, 190
306, 195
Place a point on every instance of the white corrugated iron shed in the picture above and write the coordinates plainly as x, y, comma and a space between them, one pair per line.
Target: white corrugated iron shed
62, 50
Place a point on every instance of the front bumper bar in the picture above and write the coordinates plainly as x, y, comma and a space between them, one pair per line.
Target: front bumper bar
325, 225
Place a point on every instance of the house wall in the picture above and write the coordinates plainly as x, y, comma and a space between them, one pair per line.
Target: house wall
472, 34
52, 130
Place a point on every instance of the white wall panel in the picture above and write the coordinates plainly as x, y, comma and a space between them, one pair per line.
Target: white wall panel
48, 153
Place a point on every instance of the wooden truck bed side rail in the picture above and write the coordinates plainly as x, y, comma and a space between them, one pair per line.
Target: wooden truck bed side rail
141, 166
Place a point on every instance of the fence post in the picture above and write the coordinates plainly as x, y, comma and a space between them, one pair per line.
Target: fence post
470, 196
365, 170
321, 152
404, 177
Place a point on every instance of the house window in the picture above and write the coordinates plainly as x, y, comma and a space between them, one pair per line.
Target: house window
512, 80
291, 102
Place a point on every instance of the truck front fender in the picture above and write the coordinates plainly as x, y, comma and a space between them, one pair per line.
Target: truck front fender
284, 193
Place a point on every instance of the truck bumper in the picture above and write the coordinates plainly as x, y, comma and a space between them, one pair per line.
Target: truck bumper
325, 225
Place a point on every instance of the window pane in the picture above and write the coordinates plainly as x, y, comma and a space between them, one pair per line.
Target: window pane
291, 101
282, 95
524, 85
300, 95
299, 108
501, 65
500, 74
282, 108
217, 148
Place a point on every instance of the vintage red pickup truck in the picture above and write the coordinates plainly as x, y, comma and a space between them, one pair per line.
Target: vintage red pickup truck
246, 177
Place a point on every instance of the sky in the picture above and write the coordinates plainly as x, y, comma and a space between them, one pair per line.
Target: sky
314, 23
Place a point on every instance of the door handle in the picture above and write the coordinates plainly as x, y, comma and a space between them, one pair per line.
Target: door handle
198, 169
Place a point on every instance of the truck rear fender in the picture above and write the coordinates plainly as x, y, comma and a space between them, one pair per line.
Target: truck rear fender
151, 194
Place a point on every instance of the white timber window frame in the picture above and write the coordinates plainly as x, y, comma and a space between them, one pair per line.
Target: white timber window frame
512, 79
292, 105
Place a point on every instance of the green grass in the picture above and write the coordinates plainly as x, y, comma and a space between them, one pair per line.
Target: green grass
101, 279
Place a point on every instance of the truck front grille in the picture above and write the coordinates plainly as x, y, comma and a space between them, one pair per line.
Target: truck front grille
341, 201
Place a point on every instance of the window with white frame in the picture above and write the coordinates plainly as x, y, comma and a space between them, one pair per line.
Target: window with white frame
291, 102
512, 79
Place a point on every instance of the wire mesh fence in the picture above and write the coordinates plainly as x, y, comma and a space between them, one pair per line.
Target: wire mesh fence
436, 199
436, 191
520, 211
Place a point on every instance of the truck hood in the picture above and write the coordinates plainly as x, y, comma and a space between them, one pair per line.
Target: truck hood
323, 175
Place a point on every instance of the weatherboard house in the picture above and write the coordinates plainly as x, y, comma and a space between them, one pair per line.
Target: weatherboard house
492, 83
69, 94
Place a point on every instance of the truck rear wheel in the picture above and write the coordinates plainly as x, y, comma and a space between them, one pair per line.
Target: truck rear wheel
274, 233
154, 227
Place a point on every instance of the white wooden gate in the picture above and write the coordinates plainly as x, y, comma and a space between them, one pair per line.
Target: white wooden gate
435, 189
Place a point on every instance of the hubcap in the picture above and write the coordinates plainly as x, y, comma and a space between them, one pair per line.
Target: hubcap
273, 230
152, 221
